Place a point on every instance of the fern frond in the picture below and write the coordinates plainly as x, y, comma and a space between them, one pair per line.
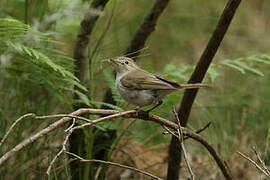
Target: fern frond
34, 58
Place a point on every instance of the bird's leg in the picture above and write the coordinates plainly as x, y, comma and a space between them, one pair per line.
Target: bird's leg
137, 108
158, 104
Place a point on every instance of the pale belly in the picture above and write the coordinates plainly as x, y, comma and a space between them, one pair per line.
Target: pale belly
137, 97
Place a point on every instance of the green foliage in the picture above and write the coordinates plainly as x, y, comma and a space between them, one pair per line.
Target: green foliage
247, 64
30, 56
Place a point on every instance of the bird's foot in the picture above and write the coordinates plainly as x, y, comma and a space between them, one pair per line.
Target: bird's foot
137, 109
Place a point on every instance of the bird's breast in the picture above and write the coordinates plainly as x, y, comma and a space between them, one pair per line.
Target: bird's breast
137, 97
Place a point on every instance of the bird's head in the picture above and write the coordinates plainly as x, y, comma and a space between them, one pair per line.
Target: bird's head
124, 64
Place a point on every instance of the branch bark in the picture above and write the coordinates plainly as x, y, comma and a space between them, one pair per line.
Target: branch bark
83, 36
113, 114
115, 164
197, 77
147, 27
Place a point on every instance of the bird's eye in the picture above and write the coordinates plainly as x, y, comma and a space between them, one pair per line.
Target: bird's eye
126, 62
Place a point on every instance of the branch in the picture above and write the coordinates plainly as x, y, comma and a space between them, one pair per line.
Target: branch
197, 77
185, 138
61, 151
146, 27
181, 141
13, 125
262, 169
112, 114
115, 164
261, 161
49, 129
206, 58
83, 36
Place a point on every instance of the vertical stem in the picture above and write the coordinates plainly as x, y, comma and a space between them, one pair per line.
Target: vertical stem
197, 77
26, 11
89, 153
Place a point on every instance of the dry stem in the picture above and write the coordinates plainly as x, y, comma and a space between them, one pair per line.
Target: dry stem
111, 114
262, 169
181, 141
114, 164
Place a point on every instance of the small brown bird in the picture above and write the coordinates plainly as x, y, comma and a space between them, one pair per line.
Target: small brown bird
142, 88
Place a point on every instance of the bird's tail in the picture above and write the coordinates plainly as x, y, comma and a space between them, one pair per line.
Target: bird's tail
193, 86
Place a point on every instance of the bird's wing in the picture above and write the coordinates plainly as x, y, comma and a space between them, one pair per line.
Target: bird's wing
141, 80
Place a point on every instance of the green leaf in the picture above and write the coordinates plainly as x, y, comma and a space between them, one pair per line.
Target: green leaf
212, 73
248, 68
36, 59
229, 64
260, 59
84, 99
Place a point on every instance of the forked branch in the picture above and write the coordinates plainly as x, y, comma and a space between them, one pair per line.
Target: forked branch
111, 114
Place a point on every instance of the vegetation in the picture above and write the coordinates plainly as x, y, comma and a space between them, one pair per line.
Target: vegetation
37, 75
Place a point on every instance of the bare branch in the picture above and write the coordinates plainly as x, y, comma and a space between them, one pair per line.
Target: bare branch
113, 114
115, 164
61, 151
14, 124
83, 36
181, 141
49, 129
255, 164
261, 161
62, 115
185, 138
202, 129
146, 28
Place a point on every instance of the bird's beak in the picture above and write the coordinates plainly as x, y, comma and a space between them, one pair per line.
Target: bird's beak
114, 61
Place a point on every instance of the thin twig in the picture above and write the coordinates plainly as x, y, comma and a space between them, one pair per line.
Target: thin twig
115, 164
202, 129
139, 114
61, 116
254, 163
49, 129
119, 114
72, 128
63, 149
136, 52
14, 124
39, 117
181, 141
140, 55
169, 131
261, 161
185, 137
129, 55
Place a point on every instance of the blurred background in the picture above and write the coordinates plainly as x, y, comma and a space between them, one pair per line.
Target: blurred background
37, 44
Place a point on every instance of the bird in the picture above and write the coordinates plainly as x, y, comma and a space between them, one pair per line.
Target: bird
142, 88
